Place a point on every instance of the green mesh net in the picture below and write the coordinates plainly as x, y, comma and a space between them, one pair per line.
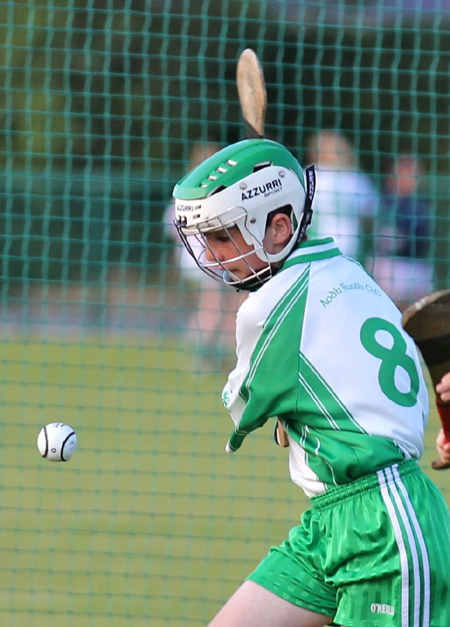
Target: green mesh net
106, 326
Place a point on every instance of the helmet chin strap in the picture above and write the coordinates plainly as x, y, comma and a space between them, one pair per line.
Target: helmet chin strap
310, 175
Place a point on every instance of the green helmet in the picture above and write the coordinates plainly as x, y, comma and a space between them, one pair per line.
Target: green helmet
240, 186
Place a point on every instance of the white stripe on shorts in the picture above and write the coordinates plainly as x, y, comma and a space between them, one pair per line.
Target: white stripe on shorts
401, 547
423, 548
390, 482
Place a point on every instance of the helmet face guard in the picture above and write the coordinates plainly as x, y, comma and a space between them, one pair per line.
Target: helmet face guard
240, 186
197, 245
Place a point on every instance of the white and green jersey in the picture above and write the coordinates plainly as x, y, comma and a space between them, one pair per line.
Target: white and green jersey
320, 346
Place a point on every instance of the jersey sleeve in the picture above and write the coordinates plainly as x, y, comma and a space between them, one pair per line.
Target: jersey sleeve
264, 383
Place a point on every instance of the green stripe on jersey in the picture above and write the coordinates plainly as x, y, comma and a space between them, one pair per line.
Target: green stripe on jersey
318, 256
291, 303
313, 250
274, 360
328, 406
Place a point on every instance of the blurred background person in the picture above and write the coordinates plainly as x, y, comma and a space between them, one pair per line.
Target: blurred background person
401, 265
346, 201
211, 306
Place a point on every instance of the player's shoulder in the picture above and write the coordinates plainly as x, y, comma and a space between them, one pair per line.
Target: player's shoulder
257, 304
260, 304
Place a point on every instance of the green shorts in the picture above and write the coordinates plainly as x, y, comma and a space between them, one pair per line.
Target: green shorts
373, 553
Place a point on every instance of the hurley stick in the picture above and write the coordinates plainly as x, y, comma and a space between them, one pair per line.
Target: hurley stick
428, 322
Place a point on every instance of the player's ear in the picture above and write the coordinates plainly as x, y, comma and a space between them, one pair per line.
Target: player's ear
278, 233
